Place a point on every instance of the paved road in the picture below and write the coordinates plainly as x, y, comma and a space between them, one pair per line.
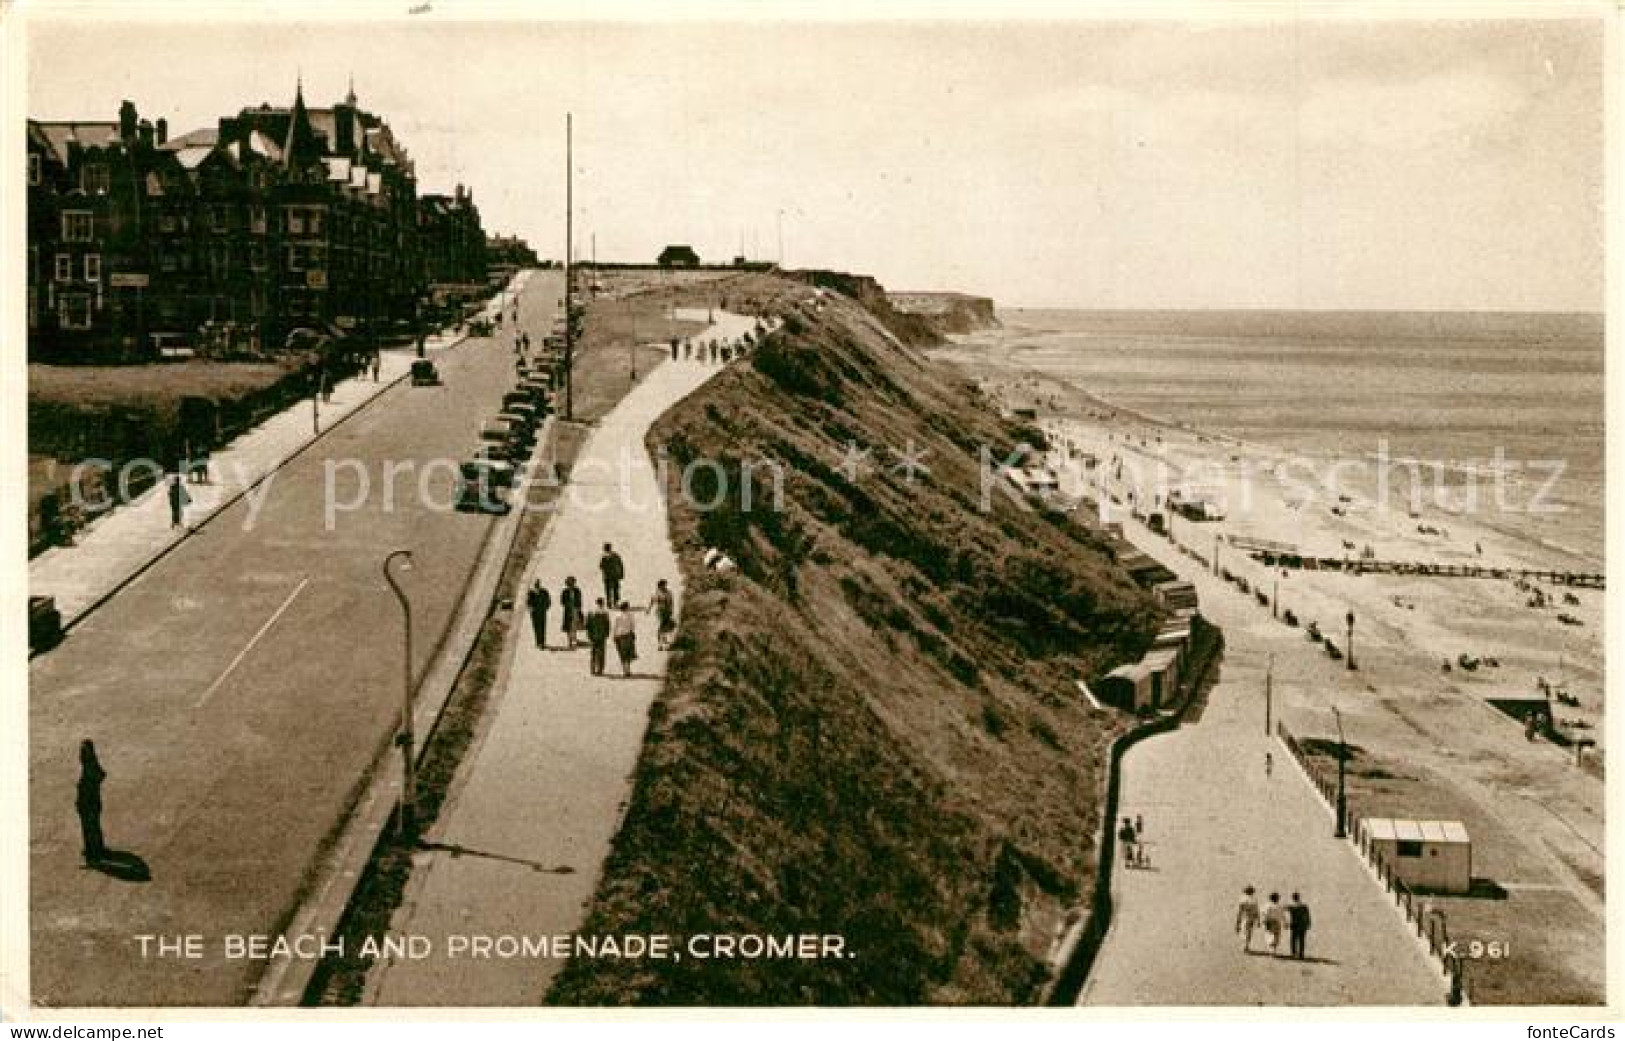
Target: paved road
239, 691
1215, 823
518, 850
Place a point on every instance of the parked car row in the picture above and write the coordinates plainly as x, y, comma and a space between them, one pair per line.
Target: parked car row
507, 440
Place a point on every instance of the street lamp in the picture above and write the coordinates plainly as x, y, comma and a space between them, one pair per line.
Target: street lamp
1342, 788
1350, 620
404, 738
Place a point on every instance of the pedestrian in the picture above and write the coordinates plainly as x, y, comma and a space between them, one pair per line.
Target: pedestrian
177, 501
613, 570
1269, 764
1274, 920
625, 631
1297, 922
1126, 836
1139, 841
377, 364
1247, 917
539, 600
570, 600
674, 348
597, 637
664, 606
88, 802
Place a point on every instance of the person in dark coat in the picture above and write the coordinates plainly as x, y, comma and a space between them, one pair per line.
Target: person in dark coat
177, 502
89, 802
598, 637
613, 570
664, 606
570, 601
539, 600
1297, 925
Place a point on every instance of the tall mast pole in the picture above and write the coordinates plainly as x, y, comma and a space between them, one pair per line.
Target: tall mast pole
569, 243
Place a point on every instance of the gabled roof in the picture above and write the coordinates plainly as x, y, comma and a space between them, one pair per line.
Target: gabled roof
57, 136
203, 136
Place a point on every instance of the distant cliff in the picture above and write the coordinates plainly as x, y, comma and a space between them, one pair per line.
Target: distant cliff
948, 312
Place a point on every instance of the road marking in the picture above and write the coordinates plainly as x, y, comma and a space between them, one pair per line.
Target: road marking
250, 645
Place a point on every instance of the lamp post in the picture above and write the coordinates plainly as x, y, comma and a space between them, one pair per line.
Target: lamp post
1342, 787
1350, 620
404, 738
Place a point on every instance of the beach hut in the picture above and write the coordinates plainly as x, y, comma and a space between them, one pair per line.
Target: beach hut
1162, 675
1431, 856
1175, 594
1128, 686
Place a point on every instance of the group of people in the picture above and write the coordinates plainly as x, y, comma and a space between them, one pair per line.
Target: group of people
714, 351
599, 627
1131, 836
1291, 918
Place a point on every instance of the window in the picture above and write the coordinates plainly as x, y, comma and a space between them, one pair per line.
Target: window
220, 217
1409, 848
296, 222
296, 258
76, 226
166, 222
64, 267
155, 184
167, 262
33, 307
73, 311
96, 181
256, 256
93, 267
256, 219
33, 168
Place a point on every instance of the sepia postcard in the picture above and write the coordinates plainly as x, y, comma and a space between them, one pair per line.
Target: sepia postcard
739, 506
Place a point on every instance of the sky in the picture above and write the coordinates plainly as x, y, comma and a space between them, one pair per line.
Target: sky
1309, 162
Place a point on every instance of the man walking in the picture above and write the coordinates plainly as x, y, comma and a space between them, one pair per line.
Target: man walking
625, 632
664, 606
88, 802
539, 600
613, 570
1297, 923
1126, 836
570, 601
597, 637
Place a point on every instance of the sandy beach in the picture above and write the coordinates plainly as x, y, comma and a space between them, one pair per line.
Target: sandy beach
1444, 749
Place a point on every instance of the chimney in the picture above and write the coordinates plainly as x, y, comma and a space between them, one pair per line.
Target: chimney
161, 130
145, 130
126, 122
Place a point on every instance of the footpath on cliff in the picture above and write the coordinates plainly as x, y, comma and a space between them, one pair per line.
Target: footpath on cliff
518, 848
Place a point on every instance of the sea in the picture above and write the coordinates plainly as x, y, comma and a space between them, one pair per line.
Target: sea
1449, 389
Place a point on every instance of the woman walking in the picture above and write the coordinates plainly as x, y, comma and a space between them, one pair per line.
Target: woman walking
664, 606
625, 633
1247, 917
1274, 921
570, 602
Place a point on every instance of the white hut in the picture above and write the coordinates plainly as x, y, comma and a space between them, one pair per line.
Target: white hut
1436, 856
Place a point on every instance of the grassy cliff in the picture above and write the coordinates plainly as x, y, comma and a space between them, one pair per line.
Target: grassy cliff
870, 728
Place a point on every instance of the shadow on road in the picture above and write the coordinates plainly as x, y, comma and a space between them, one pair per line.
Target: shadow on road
464, 851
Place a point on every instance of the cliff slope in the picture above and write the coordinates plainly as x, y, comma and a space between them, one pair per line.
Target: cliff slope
870, 727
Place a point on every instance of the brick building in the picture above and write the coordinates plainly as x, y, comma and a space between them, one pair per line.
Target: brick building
234, 236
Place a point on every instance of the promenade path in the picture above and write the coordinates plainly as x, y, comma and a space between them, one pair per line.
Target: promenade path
518, 849
1214, 823
116, 545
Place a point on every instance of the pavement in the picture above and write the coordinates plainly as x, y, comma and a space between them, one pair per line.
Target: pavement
1215, 821
518, 848
118, 543
242, 691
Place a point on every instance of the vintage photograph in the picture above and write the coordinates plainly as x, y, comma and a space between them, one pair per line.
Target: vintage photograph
718, 506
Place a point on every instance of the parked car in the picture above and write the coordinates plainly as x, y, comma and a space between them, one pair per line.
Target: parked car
485, 485
424, 374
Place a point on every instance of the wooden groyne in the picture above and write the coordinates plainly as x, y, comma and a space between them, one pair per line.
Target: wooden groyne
1581, 579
